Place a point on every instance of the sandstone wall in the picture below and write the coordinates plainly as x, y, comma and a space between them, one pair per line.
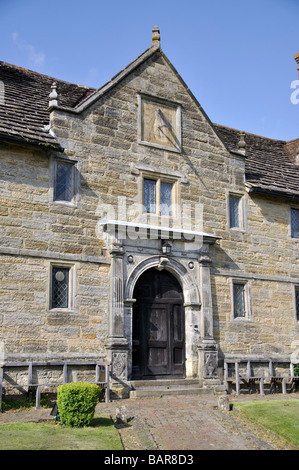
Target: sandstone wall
103, 143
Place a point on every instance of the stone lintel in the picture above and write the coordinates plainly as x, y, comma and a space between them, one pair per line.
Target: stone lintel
123, 228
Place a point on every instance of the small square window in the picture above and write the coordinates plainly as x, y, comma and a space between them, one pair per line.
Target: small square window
60, 287
65, 181
234, 212
64, 184
295, 223
237, 212
241, 304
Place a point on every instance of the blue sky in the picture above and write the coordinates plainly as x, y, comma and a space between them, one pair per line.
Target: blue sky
236, 56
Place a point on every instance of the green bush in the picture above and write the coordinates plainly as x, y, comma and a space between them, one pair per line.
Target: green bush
296, 370
76, 403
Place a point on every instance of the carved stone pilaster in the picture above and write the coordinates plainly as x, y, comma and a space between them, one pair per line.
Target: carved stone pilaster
206, 294
207, 347
116, 291
208, 359
117, 344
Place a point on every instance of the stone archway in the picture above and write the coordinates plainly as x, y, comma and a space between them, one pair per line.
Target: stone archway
190, 304
158, 335
190, 287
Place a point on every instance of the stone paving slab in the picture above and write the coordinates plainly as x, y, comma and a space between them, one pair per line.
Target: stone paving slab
188, 423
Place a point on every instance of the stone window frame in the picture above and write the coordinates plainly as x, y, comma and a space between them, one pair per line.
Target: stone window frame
71, 308
290, 223
141, 97
243, 227
75, 181
296, 304
165, 178
247, 299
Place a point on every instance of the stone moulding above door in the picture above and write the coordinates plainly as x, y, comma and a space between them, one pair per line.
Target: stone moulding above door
123, 230
190, 289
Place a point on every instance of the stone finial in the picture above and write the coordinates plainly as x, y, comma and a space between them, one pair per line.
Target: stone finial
156, 37
223, 403
296, 57
54, 98
242, 143
121, 415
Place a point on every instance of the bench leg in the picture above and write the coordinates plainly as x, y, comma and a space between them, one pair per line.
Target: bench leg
37, 398
1, 387
284, 386
262, 386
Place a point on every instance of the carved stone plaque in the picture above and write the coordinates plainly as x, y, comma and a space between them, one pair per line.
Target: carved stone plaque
160, 124
119, 365
210, 364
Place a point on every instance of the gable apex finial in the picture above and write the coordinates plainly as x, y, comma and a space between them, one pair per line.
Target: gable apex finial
156, 37
296, 57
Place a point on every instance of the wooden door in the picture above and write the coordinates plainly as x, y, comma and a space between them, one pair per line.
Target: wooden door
158, 326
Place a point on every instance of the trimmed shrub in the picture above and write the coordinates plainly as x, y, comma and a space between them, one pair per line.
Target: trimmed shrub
76, 403
296, 370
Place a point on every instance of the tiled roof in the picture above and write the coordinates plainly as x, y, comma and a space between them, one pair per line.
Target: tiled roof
23, 107
268, 163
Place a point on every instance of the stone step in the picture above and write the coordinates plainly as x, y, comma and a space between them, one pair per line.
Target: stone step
165, 383
155, 393
170, 387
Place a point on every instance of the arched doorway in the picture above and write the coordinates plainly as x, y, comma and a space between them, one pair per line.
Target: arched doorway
158, 326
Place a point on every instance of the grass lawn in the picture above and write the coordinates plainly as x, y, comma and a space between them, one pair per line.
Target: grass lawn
280, 416
100, 435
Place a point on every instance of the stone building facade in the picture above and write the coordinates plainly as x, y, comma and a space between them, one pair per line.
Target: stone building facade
135, 231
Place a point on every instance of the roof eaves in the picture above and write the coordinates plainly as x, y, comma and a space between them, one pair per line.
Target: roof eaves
271, 191
32, 142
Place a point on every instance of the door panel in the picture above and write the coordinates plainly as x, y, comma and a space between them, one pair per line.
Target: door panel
158, 326
178, 342
156, 340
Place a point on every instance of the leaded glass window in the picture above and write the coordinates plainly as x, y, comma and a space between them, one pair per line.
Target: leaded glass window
64, 182
157, 196
295, 223
165, 198
149, 195
60, 287
297, 302
239, 300
234, 211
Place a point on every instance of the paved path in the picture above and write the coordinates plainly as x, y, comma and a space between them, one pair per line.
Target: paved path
178, 423
188, 423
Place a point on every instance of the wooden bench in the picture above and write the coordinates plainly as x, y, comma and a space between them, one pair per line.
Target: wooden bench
30, 385
261, 380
